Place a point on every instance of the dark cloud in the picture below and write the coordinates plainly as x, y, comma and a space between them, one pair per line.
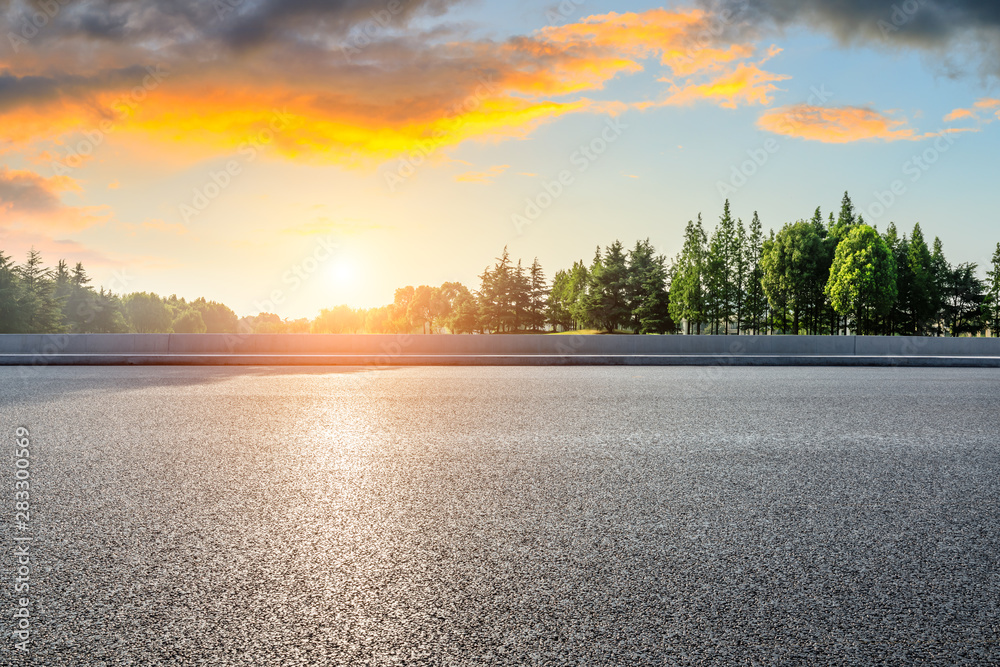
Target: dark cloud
238, 23
917, 22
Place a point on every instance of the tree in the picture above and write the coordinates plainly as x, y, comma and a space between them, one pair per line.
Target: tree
687, 293
41, 310
537, 297
940, 274
338, 320
464, 315
791, 265
190, 321
863, 278
560, 301
147, 313
756, 300
965, 301
993, 293
847, 220
649, 301
606, 301
419, 311
218, 317
720, 267
11, 294
919, 294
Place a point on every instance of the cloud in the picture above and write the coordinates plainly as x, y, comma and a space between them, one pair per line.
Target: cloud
948, 28
482, 176
986, 104
834, 125
747, 84
398, 92
27, 198
844, 124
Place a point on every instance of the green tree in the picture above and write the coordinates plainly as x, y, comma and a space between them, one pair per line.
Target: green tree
649, 301
560, 301
687, 292
189, 321
863, 278
11, 294
147, 313
218, 317
606, 301
538, 293
41, 310
755, 312
992, 292
720, 267
940, 275
965, 301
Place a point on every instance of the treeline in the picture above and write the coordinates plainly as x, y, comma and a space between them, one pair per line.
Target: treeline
830, 275
35, 299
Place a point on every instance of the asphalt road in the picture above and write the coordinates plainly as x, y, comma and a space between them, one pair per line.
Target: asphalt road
703, 516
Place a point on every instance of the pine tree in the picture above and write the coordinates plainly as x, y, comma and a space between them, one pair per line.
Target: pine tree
940, 273
756, 301
607, 297
11, 295
687, 291
993, 293
42, 311
537, 296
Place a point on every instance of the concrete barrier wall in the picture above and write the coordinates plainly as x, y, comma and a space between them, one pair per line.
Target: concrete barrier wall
392, 345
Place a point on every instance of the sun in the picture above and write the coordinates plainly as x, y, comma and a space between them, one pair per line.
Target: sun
341, 273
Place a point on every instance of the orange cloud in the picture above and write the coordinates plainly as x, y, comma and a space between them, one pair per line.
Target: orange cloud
987, 104
27, 198
834, 125
959, 114
747, 84
397, 97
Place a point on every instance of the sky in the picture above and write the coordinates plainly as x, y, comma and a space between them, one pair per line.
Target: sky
292, 155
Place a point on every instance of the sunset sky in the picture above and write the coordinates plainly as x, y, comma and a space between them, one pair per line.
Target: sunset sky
222, 149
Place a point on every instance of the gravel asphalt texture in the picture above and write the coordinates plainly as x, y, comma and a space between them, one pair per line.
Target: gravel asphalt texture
478, 516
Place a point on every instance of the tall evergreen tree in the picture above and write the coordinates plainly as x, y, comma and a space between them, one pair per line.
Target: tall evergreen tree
940, 275
687, 292
649, 301
537, 296
993, 293
756, 299
41, 309
11, 295
607, 299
